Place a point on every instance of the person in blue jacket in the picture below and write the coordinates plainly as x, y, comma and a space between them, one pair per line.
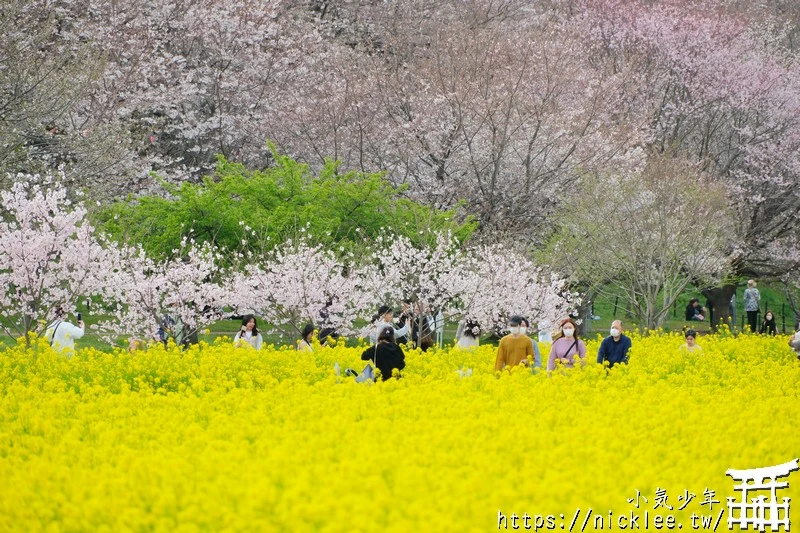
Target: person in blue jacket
614, 348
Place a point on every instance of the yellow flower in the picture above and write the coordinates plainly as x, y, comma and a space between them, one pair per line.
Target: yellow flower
219, 438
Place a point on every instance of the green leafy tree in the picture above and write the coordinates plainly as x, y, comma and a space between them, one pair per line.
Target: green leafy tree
238, 209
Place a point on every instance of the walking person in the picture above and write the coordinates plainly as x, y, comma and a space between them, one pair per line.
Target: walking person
614, 348
752, 300
566, 346
514, 348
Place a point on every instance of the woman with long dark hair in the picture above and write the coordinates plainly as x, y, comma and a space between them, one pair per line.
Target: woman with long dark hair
385, 354
769, 326
248, 333
304, 344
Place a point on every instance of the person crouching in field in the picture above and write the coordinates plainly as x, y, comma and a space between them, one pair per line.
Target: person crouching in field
385, 354
566, 346
694, 311
514, 348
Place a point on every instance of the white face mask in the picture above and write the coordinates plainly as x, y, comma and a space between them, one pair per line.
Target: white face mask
569, 332
614, 332
523, 330
514, 330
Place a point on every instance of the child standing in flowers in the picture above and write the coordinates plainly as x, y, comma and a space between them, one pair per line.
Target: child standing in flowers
566, 346
690, 346
515, 347
524, 328
248, 333
385, 354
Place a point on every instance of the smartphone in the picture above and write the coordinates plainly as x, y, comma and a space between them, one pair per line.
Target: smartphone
80, 317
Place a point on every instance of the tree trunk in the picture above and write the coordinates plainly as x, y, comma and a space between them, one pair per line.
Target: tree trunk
719, 303
585, 313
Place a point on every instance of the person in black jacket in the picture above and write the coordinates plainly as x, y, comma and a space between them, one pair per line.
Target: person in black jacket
769, 327
385, 354
694, 311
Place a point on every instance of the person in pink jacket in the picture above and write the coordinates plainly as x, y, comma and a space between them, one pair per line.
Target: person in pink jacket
566, 346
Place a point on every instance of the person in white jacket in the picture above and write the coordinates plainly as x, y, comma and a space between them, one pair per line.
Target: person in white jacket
62, 334
468, 334
385, 318
248, 333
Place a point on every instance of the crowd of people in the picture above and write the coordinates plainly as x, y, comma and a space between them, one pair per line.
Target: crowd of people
416, 326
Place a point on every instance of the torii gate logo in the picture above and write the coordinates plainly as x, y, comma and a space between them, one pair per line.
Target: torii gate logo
760, 512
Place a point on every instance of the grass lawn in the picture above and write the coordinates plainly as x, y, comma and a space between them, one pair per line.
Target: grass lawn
772, 298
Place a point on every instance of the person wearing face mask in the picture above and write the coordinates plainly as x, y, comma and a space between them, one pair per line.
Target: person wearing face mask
514, 348
614, 348
566, 346
769, 326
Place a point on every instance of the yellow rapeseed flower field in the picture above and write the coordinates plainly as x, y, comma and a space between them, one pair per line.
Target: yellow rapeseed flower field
223, 439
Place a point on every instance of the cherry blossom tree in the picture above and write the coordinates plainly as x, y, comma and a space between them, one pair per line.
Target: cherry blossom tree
505, 282
49, 257
48, 116
432, 277
645, 235
299, 283
497, 107
180, 295
717, 88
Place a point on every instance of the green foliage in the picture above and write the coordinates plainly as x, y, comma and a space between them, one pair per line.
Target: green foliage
266, 207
